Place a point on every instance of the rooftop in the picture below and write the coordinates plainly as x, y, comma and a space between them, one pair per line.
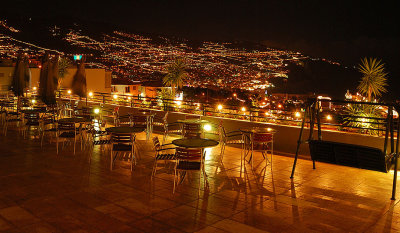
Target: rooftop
45, 192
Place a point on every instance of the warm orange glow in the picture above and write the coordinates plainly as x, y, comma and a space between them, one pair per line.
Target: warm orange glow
219, 106
34, 88
234, 94
243, 109
115, 96
297, 114
69, 91
329, 117
279, 105
90, 94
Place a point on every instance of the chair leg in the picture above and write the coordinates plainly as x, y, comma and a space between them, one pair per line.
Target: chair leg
176, 163
111, 160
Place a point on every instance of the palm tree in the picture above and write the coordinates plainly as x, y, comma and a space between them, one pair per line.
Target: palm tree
374, 78
63, 64
176, 72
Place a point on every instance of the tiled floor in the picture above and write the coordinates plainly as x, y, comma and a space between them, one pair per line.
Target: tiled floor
41, 191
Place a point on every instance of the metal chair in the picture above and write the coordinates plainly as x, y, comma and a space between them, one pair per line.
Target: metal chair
188, 159
160, 154
231, 138
122, 142
32, 120
192, 130
171, 128
263, 142
67, 130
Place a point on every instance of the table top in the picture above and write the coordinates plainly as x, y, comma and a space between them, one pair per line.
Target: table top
125, 129
258, 130
193, 121
195, 142
75, 120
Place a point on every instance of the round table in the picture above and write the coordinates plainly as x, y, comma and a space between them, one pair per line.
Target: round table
75, 120
125, 129
249, 140
195, 142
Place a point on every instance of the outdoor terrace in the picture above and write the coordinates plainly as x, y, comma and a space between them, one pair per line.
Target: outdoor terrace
45, 192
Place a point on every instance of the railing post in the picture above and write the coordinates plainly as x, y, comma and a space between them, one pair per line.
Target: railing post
104, 98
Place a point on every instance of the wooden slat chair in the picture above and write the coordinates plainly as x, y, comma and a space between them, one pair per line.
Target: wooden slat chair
122, 143
263, 142
68, 130
160, 153
189, 159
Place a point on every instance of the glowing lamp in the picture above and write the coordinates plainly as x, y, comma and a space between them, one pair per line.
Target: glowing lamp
219, 106
96, 111
234, 94
34, 88
115, 96
279, 105
297, 114
90, 94
243, 109
129, 98
33, 101
69, 91
179, 103
329, 117
207, 127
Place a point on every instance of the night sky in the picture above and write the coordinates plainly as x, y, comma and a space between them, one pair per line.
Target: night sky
341, 30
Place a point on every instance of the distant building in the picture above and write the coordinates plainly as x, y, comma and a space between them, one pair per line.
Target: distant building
136, 88
97, 79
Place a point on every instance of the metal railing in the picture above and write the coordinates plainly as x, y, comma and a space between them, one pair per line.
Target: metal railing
336, 117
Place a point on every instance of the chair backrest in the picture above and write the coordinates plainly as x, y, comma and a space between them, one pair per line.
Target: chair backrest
156, 143
192, 130
32, 116
122, 138
188, 153
139, 119
262, 137
126, 119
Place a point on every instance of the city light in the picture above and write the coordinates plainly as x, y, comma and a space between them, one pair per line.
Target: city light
329, 117
297, 114
129, 98
219, 107
33, 101
90, 94
115, 96
179, 103
243, 109
96, 111
69, 92
207, 127
279, 105
34, 88
234, 94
